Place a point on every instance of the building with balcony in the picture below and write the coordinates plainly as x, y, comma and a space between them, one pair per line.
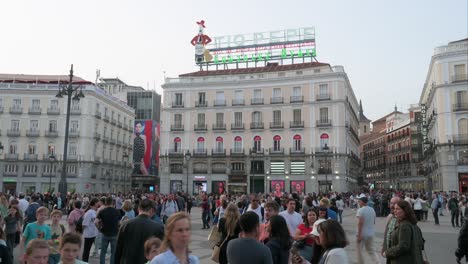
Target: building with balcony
250, 128
445, 99
392, 152
34, 133
147, 105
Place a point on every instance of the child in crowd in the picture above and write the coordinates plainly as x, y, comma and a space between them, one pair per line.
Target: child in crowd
70, 247
152, 246
36, 229
57, 231
37, 251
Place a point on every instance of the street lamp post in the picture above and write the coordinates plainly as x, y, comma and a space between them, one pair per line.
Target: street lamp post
52, 159
77, 92
125, 156
187, 159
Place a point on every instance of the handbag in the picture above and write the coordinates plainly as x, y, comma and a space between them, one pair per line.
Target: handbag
217, 250
214, 234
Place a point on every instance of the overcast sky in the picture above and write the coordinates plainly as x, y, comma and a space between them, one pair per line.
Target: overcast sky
385, 47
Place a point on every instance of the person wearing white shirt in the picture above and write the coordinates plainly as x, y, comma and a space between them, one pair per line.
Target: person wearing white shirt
293, 219
340, 206
256, 208
22, 203
89, 227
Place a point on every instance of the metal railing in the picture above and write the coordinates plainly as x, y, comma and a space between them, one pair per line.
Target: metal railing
256, 125
177, 127
201, 104
74, 133
178, 104
274, 125
30, 157
200, 152
34, 110
32, 133
296, 124
237, 152
13, 132
219, 126
459, 78
11, 156
16, 110
256, 101
200, 127
324, 122
460, 107
218, 152
323, 97
237, 126
276, 100
296, 99
296, 151
75, 111
98, 115
219, 103
237, 102
279, 151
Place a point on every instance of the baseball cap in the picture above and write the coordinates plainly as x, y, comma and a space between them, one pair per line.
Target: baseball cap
364, 199
315, 227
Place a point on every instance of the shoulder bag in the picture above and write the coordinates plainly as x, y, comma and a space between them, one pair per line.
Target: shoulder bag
217, 250
214, 235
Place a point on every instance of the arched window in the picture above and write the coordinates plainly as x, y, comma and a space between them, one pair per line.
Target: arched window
13, 148
277, 143
257, 144
219, 147
238, 144
177, 144
32, 148
297, 139
200, 144
256, 117
324, 141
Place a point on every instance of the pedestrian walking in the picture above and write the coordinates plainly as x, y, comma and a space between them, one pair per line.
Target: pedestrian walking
452, 206
175, 246
366, 231
108, 219
435, 206
134, 232
406, 242
229, 227
90, 231
70, 247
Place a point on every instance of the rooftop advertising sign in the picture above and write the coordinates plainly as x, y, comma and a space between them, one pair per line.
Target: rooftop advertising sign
254, 47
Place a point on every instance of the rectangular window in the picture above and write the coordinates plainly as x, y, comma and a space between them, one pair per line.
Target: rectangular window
277, 116
462, 97
238, 95
276, 92
297, 91
324, 114
201, 98
74, 126
200, 145
52, 126
297, 115
276, 145
33, 124
32, 149
178, 99
201, 119
219, 118
54, 104
16, 103
36, 103
237, 146
178, 119
460, 72
323, 89
257, 93
297, 167
238, 118
277, 167
15, 124
72, 151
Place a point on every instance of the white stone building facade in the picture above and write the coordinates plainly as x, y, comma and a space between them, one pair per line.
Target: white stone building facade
32, 128
246, 130
445, 97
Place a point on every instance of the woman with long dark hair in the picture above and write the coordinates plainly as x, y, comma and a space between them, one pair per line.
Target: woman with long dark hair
279, 241
406, 242
332, 239
303, 235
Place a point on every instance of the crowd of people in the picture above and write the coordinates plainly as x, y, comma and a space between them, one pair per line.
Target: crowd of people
256, 228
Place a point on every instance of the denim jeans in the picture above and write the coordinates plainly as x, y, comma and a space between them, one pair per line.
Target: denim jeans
105, 240
340, 216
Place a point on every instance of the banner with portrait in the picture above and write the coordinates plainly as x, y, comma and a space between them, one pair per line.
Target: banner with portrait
146, 148
218, 187
176, 186
298, 187
277, 187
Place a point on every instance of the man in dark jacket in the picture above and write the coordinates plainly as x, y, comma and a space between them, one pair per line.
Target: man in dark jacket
134, 232
462, 250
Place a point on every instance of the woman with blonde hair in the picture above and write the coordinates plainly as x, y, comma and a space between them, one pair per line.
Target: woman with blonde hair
229, 228
127, 209
174, 248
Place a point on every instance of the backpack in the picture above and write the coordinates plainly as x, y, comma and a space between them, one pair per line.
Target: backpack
79, 225
439, 204
31, 212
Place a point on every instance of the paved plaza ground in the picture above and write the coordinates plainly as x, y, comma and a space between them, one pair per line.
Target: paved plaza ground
441, 241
